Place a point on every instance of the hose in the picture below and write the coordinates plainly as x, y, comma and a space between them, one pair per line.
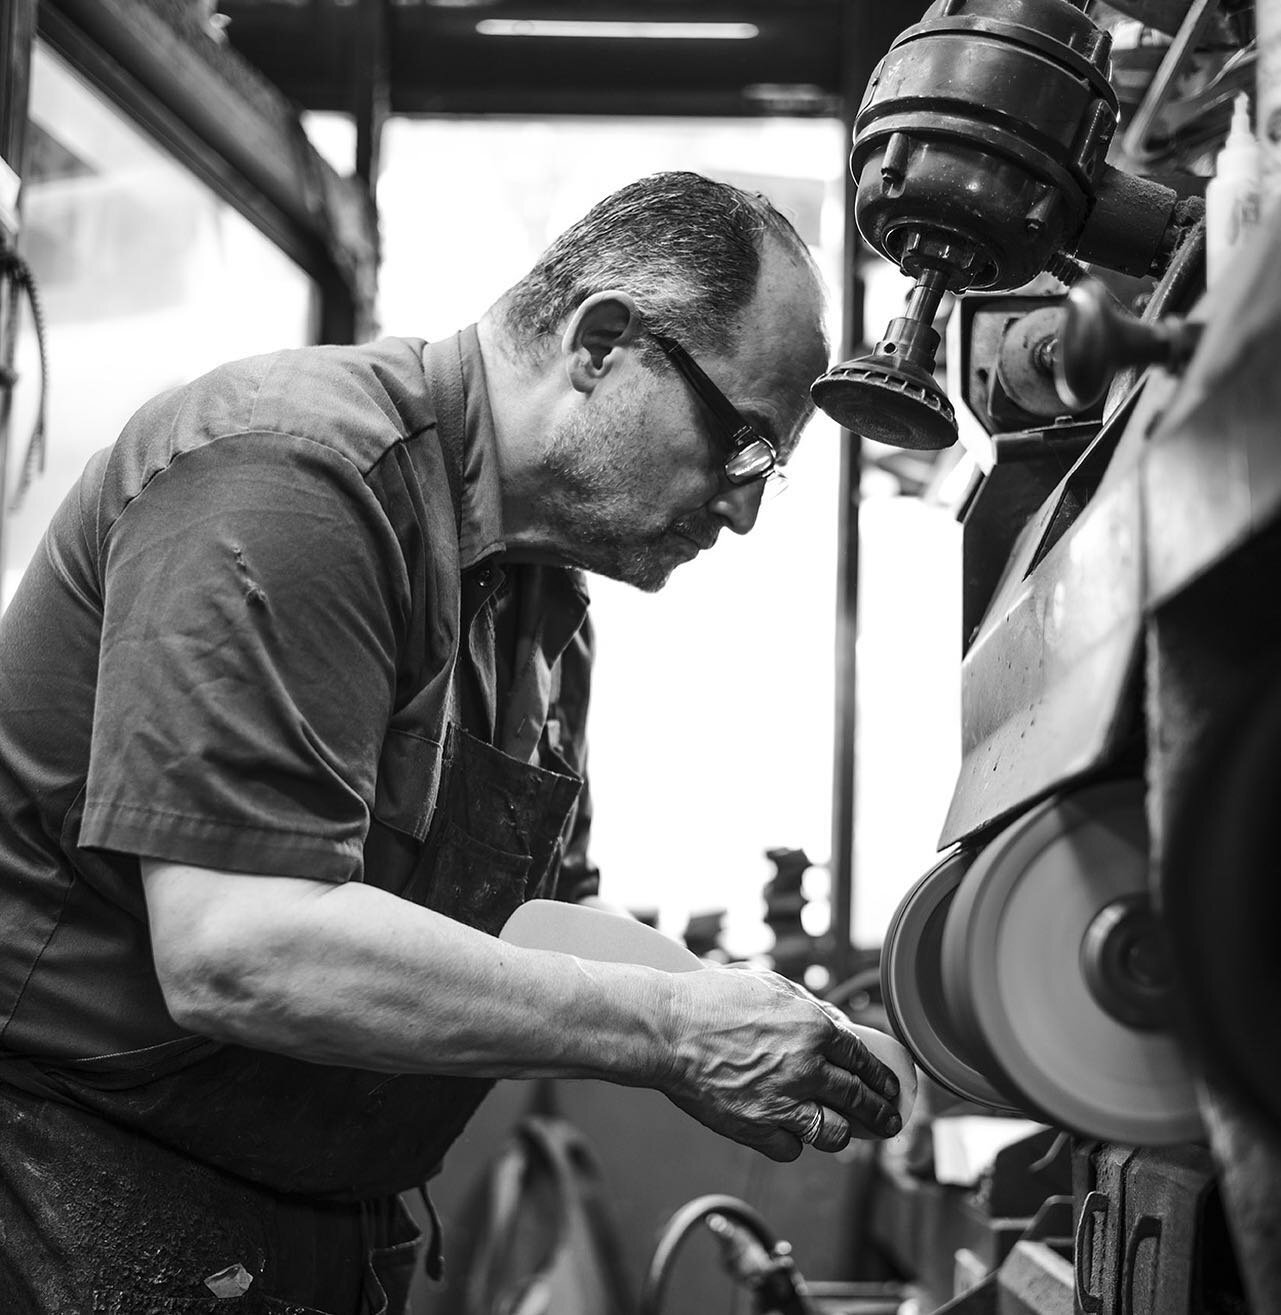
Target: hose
770, 1268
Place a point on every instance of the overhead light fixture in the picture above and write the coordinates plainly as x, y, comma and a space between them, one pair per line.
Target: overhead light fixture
626, 30
792, 98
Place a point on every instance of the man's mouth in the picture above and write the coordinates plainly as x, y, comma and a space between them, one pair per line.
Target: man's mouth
700, 541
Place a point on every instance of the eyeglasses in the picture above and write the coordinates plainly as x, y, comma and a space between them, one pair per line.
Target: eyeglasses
751, 455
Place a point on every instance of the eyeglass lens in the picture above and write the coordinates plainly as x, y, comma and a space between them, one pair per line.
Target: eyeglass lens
752, 456
754, 460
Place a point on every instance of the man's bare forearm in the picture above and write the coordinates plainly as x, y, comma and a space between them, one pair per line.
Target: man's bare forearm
352, 975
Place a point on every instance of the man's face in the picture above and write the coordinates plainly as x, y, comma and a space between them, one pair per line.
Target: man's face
639, 473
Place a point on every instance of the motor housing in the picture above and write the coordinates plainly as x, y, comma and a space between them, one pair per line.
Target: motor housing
979, 157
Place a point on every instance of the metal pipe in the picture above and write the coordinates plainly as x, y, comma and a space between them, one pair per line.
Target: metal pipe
844, 714
1268, 99
17, 32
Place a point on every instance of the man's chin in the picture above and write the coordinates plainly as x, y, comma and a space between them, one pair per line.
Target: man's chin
651, 570
648, 577
647, 569
652, 584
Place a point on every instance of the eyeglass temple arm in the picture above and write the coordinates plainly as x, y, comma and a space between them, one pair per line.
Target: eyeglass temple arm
738, 429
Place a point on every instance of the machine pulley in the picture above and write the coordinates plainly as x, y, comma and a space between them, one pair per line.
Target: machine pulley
1033, 975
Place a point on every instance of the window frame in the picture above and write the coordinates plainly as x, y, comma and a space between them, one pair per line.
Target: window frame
233, 132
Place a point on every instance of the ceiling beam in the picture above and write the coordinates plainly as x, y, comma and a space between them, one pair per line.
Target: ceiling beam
439, 63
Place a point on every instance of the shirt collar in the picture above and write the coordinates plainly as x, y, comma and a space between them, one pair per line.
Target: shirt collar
481, 532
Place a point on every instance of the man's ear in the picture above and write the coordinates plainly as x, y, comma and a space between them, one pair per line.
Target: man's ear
603, 324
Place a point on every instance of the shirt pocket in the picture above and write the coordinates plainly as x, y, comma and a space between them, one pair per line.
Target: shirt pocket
408, 780
474, 883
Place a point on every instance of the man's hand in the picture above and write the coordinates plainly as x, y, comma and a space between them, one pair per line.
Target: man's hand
753, 1055
352, 975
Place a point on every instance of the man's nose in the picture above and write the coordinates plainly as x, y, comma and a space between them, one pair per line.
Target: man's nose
738, 505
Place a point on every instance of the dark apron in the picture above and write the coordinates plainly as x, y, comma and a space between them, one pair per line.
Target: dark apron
259, 1133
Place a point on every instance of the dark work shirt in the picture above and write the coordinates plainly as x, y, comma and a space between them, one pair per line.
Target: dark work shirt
239, 646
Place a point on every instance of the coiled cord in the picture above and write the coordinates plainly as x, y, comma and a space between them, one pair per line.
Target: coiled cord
18, 274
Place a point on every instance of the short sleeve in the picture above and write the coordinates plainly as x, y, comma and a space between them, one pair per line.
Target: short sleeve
254, 596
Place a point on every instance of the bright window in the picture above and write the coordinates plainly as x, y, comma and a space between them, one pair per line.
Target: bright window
711, 731
148, 279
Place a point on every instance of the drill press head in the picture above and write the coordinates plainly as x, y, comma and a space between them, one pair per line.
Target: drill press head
976, 153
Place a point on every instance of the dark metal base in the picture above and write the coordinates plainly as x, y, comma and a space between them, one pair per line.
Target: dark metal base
1143, 1232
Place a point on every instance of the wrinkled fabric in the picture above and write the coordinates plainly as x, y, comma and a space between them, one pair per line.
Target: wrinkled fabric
135, 1228
263, 634
240, 646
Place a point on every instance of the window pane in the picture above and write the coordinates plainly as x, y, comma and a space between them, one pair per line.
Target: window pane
148, 279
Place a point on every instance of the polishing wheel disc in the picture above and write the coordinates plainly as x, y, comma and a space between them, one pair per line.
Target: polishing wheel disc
888, 401
912, 986
1014, 970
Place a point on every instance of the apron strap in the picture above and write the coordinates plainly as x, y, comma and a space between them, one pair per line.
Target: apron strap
443, 365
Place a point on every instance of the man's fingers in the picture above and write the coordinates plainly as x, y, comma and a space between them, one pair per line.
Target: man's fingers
845, 1094
823, 1128
802, 1073
835, 1132
847, 1051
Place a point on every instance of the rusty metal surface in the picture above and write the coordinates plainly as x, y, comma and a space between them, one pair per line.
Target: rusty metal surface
1046, 684
1165, 1200
1214, 654
1099, 1250
1249, 1157
1212, 643
1212, 476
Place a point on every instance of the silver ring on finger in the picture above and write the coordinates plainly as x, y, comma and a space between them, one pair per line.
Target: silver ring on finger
810, 1134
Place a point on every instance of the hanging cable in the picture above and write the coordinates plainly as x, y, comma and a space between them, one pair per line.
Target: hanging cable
17, 273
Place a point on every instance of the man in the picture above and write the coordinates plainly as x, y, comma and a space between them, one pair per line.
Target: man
291, 719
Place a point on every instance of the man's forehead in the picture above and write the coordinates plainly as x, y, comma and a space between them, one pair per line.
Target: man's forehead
788, 443
777, 393
788, 437
782, 355
779, 348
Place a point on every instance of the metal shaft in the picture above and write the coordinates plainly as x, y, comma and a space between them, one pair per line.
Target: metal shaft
923, 304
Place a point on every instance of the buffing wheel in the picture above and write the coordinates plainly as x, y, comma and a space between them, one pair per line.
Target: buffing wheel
1017, 951
912, 986
890, 401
